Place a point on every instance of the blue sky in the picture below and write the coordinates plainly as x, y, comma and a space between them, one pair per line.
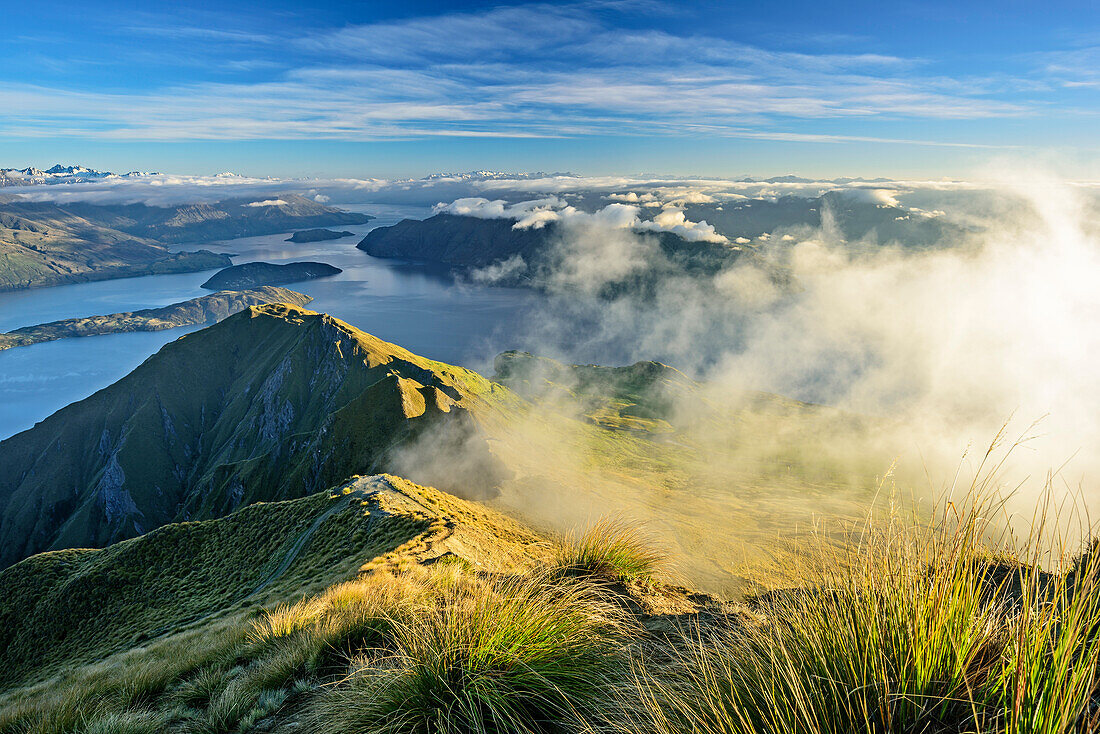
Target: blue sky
389, 89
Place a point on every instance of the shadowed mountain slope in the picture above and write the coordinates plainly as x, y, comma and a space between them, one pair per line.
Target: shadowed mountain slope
532, 256
272, 403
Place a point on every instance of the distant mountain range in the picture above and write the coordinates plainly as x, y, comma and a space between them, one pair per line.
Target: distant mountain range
60, 174
68, 173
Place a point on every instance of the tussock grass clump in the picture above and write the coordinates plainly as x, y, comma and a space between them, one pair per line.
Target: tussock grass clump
613, 549
525, 654
921, 628
340, 621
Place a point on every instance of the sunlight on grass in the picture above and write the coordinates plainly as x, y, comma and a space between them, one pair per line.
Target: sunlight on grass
942, 626
614, 549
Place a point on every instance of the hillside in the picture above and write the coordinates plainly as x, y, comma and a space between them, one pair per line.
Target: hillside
52, 250
265, 613
57, 610
384, 607
274, 402
465, 242
278, 402
44, 243
202, 310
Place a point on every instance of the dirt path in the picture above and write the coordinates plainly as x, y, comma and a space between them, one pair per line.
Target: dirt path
291, 555
300, 543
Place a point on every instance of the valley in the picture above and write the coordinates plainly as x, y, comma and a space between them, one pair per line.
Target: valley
271, 516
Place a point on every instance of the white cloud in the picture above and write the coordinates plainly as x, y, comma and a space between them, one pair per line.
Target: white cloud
537, 213
528, 214
672, 220
484, 190
632, 197
879, 197
268, 202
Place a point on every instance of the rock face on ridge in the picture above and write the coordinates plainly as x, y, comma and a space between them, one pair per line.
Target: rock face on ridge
274, 402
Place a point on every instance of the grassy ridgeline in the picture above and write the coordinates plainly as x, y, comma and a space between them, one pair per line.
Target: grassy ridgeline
920, 628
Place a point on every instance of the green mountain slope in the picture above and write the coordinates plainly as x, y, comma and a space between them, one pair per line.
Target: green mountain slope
66, 608
272, 403
277, 402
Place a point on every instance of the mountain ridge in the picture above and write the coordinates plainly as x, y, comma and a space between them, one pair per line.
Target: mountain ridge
271, 403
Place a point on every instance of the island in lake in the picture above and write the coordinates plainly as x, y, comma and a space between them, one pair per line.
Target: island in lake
203, 310
251, 275
317, 235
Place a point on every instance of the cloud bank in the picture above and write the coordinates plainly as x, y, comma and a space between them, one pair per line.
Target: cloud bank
537, 213
940, 345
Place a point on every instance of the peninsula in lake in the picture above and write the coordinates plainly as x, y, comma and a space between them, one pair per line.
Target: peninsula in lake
45, 243
202, 310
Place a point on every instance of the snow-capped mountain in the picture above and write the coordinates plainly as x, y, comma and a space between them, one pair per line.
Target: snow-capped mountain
59, 173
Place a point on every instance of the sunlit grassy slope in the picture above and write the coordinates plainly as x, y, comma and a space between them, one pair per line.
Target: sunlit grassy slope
63, 609
413, 611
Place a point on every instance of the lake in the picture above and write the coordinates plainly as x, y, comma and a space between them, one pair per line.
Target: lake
419, 307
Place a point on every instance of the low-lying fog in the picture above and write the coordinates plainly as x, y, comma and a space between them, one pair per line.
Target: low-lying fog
942, 340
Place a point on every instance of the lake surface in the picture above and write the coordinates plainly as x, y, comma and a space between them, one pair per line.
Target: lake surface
419, 307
